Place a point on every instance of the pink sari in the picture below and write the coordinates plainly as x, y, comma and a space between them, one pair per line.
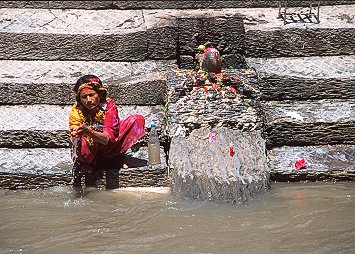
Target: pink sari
122, 135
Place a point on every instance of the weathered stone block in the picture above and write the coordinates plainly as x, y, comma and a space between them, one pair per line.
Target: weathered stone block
162, 43
310, 123
34, 138
300, 42
232, 168
46, 167
277, 87
52, 82
186, 62
47, 125
236, 61
176, 4
114, 47
138, 173
149, 89
329, 162
227, 33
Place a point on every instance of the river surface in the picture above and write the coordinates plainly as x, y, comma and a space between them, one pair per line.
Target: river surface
290, 218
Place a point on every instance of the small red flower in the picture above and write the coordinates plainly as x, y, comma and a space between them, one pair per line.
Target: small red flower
232, 89
300, 164
195, 89
231, 151
205, 89
94, 80
214, 86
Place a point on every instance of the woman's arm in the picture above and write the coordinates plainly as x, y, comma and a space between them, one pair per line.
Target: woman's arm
82, 129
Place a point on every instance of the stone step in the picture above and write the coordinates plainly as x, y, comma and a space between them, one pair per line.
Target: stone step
298, 123
306, 78
138, 35
84, 35
52, 82
267, 37
47, 125
171, 4
41, 168
329, 162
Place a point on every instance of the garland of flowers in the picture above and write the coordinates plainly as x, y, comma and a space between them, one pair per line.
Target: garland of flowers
97, 119
195, 80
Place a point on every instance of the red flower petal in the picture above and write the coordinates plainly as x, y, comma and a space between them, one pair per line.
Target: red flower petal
232, 89
300, 164
231, 151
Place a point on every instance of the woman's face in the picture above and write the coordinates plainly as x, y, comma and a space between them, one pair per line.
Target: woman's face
89, 98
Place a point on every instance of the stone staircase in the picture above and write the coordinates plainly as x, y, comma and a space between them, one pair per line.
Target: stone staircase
306, 76
43, 53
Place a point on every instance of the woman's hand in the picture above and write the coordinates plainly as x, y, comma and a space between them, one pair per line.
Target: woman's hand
86, 130
79, 130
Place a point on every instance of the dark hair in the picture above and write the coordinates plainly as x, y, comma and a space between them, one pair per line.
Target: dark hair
95, 82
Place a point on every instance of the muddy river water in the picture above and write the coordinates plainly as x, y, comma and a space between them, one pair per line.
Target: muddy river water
290, 218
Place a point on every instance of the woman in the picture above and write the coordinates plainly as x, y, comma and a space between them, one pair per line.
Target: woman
98, 137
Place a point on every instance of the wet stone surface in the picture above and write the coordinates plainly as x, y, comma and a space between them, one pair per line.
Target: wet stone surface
43, 168
229, 168
335, 162
217, 152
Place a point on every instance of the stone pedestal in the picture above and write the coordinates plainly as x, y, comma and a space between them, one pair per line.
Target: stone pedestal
217, 151
222, 165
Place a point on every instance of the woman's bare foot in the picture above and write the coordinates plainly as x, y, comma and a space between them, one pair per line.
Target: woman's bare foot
124, 165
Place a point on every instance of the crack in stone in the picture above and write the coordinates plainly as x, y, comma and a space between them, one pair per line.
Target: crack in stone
45, 24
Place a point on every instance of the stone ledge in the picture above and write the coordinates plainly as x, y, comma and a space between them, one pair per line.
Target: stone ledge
33, 46
300, 42
322, 111
310, 122
34, 139
67, 72
140, 90
326, 162
152, 34
55, 118
129, 21
312, 176
275, 87
176, 4
47, 125
41, 168
337, 67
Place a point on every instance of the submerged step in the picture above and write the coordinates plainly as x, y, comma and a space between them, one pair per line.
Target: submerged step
52, 82
41, 168
47, 125
302, 78
336, 162
310, 122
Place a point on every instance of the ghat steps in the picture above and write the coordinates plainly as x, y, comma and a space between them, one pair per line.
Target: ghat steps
306, 73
